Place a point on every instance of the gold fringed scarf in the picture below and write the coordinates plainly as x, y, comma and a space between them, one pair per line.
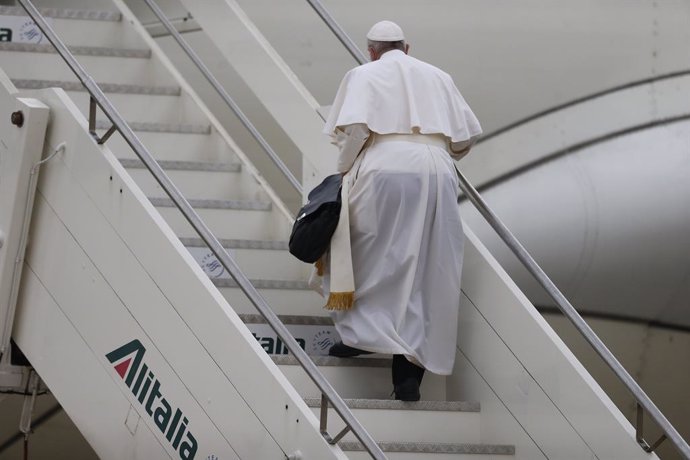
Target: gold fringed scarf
340, 301
319, 267
342, 292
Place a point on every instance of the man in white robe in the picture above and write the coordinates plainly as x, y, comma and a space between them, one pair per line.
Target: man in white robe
399, 123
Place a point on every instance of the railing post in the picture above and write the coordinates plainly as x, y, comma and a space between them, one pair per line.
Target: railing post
324, 415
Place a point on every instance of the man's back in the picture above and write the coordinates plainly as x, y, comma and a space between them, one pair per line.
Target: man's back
401, 94
398, 259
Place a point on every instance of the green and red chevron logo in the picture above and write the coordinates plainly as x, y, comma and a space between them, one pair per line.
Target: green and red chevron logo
128, 363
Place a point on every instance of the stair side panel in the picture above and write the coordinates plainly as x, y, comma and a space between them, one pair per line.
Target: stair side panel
530, 370
156, 294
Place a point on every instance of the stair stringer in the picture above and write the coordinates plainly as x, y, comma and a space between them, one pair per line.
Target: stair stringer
103, 269
531, 387
20, 150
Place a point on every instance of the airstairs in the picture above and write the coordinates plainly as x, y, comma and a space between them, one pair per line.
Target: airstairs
154, 350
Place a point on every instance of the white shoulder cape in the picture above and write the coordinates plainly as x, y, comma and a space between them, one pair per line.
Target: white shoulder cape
401, 94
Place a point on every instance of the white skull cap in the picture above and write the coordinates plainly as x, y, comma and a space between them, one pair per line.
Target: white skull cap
385, 31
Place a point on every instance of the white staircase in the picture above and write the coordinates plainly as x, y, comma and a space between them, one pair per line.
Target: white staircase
222, 189
245, 214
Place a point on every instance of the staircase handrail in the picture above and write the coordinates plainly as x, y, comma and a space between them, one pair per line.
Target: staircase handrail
338, 31
229, 101
329, 395
642, 399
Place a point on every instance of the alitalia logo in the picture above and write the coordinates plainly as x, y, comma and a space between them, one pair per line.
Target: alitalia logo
129, 365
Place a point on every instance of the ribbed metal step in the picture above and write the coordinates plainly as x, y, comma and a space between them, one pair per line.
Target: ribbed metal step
260, 262
301, 320
67, 13
433, 448
156, 108
171, 165
25, 83
392, 404
77, 50
354, 378
196, 179
230, 219
238, 244
427, 422
331, 361
117, 70
180, 128
216, 204
283, 301
265, 284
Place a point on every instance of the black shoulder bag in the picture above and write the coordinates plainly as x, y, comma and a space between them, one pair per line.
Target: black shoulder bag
317, 220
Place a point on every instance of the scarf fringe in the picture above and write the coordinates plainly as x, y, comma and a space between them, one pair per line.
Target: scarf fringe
340, 301
319, 267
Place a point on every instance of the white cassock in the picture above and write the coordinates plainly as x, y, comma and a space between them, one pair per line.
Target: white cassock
405, 230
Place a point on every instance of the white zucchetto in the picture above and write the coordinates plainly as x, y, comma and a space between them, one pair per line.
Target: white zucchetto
385, 31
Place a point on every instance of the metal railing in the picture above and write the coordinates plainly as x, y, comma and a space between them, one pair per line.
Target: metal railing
224, 94
120, 125
338, 31
643, 401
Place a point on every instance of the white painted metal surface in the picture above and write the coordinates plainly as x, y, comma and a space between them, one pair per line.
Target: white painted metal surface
139, 30
498, 425
21, 146
538, 381
270, 79
121, 279
596, 118
360, 378
612, 231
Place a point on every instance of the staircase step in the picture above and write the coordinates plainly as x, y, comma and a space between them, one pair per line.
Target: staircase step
232, 219
273, 264
154, 108
199, 180
199, 166
315, 339
216, 204
123, 88
86, 27
178, 128
65, 13
315, 334
289, 320
393, 405
430, 450
265, 284
422, 421
117, 70
283, 301
356, 378
239, 244
101, 51
176, 147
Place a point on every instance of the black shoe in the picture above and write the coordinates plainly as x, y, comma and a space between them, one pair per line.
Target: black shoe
341, 350
407, 390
